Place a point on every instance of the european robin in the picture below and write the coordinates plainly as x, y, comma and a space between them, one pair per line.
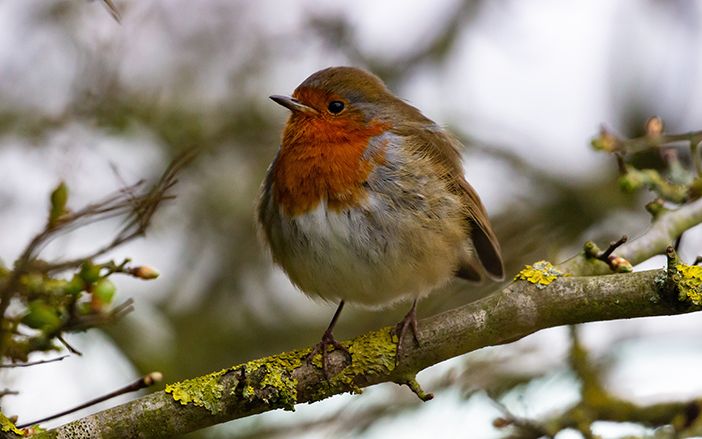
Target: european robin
366, 201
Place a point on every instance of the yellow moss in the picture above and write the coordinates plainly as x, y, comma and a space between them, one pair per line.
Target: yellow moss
8, 426
271, 379
205, 391
542, 273
370, 353
690, 283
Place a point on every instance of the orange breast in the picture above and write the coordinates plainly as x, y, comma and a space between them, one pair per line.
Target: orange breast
323, 159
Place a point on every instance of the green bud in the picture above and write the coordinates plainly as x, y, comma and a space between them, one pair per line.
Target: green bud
41, 316
89, 272
104, 291
59, 199
631, 181
605, 141
75, 285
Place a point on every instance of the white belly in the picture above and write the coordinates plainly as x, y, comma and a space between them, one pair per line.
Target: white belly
365, 256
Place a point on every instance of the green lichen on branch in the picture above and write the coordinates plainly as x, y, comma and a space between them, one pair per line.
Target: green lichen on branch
541, 274
271, 379
689, 281
268, 379
205, 391
8, 426
371, 354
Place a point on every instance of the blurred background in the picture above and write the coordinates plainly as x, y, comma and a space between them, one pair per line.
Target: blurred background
526, 85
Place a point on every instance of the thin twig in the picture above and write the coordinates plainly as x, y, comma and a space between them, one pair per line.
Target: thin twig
109, 4
141, 383
68, 346
612, 246
528, 428
34, 363
137, 203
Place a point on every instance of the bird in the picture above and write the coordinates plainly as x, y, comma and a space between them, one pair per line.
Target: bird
366, 201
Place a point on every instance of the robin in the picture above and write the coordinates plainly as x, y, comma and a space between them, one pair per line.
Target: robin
366, 201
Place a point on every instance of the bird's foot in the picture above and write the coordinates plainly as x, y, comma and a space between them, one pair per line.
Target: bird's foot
408, 323
322, 348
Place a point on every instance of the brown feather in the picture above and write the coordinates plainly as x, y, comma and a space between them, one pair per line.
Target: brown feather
444, 150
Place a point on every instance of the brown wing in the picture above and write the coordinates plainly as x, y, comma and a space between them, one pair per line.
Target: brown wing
445, 150
484, 240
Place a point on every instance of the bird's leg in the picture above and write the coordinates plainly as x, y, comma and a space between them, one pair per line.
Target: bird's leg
409, 322
328, 339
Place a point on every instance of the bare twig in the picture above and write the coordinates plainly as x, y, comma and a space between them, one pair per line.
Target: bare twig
68, 346
110, 5
137, 203
34, 363
612, 246
616, 263
143, 382
526, 428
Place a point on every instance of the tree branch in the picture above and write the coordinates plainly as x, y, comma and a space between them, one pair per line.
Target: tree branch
664, 231
520, 309
283, 380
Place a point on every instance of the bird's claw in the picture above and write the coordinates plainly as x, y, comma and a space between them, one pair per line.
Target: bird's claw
321, 348
407, 323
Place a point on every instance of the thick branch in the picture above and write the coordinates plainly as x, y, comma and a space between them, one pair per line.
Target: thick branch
283, 380
518, 310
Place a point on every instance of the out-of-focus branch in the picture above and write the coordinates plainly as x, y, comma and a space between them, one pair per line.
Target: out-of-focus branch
50, 305
598, 404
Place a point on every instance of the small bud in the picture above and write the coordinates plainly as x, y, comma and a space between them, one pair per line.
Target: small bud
75, 285
606, 141
501, 422
153, 378
654, 126
631, 181
89, 272
104, 291
144, 272
59, 199
591, 249
620, 265
655, 207
40, 315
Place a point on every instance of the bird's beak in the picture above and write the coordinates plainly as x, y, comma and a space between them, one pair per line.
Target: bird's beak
293, 104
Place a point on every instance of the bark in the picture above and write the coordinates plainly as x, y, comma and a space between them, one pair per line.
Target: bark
520, 309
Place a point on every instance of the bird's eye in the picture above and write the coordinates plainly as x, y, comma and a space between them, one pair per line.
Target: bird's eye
335, 107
